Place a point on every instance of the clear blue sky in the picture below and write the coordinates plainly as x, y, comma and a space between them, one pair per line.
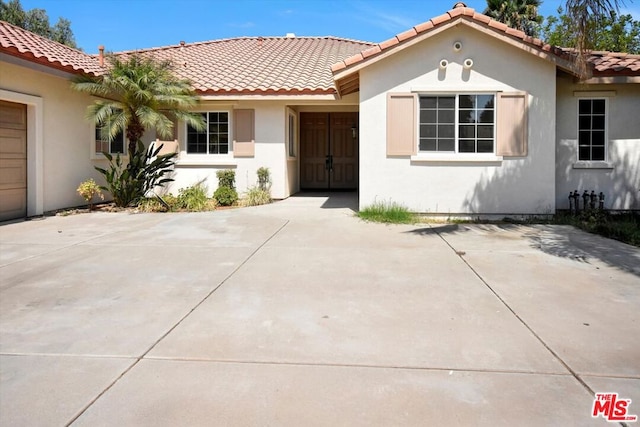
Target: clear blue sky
134, 24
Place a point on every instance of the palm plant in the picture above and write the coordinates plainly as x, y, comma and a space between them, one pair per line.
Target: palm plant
586, 16
138, 93
518, 14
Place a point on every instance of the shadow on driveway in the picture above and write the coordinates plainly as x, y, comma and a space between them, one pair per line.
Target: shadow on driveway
562, 241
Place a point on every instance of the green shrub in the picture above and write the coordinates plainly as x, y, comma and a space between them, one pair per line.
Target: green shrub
193, 198
89, 190
226, 196
226, 178
129, 183
256, 196
387, 212
264, 178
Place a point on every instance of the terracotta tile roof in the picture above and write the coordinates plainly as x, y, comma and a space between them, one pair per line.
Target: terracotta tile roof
259, 65
605, 63
19, 42
612, 63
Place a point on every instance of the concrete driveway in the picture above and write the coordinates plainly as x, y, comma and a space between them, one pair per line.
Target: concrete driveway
299, 314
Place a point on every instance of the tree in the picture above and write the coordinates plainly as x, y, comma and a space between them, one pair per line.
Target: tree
586, 17
518, 14
37, 21
62, 33
138, 93
615, 33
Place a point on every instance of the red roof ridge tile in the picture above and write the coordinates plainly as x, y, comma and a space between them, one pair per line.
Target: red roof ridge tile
232, 39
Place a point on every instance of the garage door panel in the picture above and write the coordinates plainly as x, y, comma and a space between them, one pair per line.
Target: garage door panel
13, 205
13, 160
13, 174
13, 144
12, 115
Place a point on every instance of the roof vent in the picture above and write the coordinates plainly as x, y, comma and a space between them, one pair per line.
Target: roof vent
459, 4
291, 35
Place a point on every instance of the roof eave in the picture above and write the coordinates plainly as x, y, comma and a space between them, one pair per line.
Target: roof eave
43, 61
392, 47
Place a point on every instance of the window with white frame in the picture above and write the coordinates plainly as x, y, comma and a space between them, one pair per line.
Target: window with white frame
291, 134
103, 145
592, 129
460, 123
214, 139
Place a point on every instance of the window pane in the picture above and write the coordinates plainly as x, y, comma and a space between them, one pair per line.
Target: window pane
584, 122
485, 146
598, 122
485, 131
427, 144
467, 116
467, 146
428, 116
446, 131
485, 101
117, 145
224, 148
428, 102
446, 144
597, 153
584, 153
486, 116
597, 137
427, 131
584, 137
467, 101
598, 106
467, 131
446, 116
584, 106
223, 117
446, 102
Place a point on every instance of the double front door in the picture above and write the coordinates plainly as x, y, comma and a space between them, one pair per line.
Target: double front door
329, 151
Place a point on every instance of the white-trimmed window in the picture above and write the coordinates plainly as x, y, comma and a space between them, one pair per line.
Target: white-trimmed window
214, 139
592, 129
291, 134
102, 144
459, 123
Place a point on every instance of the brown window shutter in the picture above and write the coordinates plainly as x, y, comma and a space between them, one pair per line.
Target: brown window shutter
401, 124
244, 133
512, 128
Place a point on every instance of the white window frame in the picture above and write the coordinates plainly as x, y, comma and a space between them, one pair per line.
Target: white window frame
292, 134
98, 154
208, 155
593, 97
456, 154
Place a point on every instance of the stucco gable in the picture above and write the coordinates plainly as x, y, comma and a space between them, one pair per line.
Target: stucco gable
622, 67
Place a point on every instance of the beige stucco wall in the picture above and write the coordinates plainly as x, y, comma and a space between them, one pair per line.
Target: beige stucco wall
619, 177
271, 150
510, 186
65, 139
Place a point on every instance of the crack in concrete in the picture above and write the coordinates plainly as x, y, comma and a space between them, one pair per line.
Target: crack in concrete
163, 336
573, 373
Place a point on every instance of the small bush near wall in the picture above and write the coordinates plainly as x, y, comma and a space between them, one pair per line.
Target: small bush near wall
89, 190
226, 194
256, 196
193, 198
226, 178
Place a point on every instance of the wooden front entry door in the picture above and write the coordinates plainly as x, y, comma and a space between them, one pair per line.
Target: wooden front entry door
329, 151
13, 160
